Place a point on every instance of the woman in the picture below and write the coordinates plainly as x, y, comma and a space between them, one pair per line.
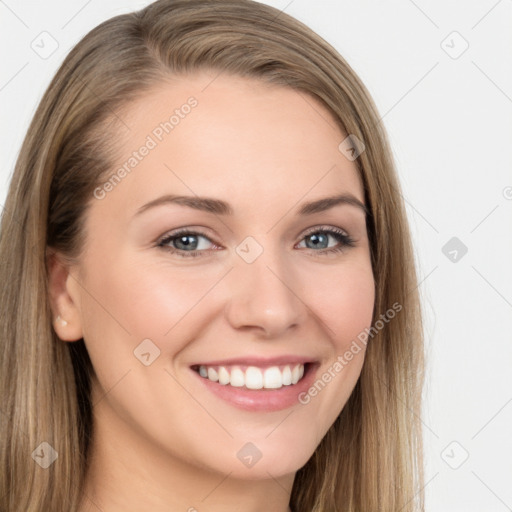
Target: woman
210, 298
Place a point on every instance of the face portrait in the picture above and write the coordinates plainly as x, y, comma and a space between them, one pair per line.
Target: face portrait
246, 249
223, 273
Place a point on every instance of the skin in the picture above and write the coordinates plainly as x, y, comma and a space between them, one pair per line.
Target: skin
161, 440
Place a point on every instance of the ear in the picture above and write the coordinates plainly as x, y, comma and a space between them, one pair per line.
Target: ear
64, 297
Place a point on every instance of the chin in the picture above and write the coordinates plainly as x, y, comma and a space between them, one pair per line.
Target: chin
261, 460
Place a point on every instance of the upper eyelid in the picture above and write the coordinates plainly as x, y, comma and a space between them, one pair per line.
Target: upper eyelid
180, 232
324, 227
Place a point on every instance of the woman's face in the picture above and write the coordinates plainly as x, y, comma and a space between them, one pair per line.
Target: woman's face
253, 285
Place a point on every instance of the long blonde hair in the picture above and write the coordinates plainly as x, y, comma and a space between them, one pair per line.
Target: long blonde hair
371, 458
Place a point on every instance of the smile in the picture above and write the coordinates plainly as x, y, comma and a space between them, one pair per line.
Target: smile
253, 377
257, 386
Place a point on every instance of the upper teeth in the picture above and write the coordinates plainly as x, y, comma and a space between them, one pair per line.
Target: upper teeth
253, 377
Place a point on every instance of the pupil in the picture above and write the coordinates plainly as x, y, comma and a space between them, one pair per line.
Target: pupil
317, 240
187, 244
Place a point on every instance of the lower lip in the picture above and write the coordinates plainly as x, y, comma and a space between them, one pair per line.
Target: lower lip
262, 400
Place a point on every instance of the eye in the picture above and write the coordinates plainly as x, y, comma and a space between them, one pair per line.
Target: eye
318, 238
185, 243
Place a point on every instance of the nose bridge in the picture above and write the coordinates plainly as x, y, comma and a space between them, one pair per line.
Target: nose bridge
263, 292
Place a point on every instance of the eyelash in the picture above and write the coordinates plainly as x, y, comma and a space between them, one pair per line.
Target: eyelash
344, 239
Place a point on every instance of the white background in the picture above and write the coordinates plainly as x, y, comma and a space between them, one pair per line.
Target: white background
450, 127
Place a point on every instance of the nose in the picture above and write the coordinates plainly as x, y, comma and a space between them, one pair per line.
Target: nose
264, 298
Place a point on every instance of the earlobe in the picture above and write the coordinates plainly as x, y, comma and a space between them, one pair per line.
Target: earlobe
64, 298
61, 320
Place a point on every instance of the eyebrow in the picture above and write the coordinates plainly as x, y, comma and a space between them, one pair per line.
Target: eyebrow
219, 207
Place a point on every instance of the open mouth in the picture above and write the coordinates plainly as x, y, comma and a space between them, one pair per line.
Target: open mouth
254, 377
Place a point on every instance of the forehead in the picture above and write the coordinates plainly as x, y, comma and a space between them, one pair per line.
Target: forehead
231, 137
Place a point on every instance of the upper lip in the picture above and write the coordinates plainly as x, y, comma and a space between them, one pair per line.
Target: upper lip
258, 361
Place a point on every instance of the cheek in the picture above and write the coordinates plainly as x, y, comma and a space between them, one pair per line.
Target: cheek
137, 295
344, 301
164, 303
135, 300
